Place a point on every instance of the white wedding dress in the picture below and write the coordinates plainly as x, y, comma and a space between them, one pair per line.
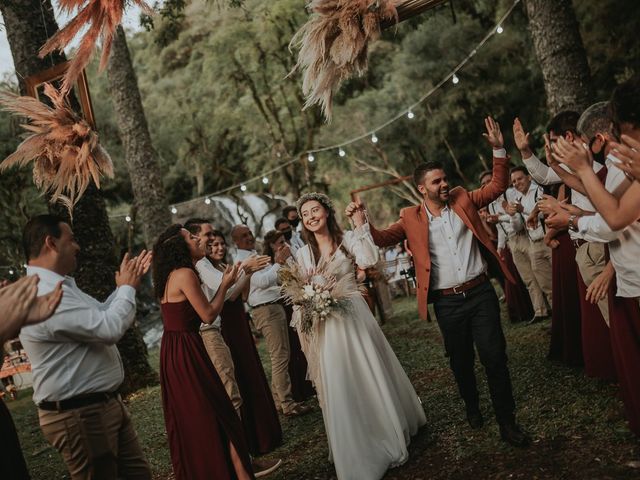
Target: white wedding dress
369, 406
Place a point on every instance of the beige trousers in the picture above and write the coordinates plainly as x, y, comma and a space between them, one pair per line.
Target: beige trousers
533, 261
223, 362
97, 441
591, 261
271, 321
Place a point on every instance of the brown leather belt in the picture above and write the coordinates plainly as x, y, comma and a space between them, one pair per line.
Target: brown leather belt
78, 402
578, 242
464, 287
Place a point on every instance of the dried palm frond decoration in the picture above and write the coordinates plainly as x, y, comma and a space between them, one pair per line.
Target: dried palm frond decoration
65, 151
333, 44
102, 18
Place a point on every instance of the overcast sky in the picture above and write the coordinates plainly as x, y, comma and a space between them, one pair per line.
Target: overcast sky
130, 22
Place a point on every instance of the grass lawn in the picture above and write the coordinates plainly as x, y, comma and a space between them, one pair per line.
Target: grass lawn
577, 423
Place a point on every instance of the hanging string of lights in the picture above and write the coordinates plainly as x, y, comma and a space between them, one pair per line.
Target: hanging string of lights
409, 112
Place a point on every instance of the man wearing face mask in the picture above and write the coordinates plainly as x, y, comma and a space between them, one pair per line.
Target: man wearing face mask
291, 236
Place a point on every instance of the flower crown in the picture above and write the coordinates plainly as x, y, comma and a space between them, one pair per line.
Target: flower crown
321, 198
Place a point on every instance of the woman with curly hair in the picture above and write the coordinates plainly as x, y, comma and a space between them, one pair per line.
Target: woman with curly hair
205, 435
301, 388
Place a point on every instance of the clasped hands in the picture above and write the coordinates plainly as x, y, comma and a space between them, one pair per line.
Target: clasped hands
357, 212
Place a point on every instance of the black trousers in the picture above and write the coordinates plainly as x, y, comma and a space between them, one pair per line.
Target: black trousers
474, 318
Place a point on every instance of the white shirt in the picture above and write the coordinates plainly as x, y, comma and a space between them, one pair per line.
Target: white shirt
624, 245
545, 175
528, 202
455, 256
263, 287
74, 352
296, 242
507, 225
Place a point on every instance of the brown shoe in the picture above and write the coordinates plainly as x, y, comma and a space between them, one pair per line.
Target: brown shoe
297, 410
262, 468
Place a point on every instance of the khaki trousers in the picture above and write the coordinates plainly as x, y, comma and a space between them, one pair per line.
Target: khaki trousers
591, 261
271, 321
223, 362
533, 261
97, 441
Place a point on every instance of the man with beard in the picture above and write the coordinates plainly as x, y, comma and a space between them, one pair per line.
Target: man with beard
451, 249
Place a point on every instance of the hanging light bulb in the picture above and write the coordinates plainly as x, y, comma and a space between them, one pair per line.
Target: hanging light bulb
374, 139
410, 114
243, 188
499, 30
174, 210
310, 157
207, 201
341, 152
127, 219
265, 180
11, 271
455, 79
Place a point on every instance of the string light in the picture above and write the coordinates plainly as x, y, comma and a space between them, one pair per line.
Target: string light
207, 201
452, 75
174, 210
127, 218
11, 272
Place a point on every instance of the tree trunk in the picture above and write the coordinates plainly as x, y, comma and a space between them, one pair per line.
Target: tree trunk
561, 54
142, 163
28, 24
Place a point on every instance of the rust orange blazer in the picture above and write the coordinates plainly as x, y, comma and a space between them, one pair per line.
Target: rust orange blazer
413, 225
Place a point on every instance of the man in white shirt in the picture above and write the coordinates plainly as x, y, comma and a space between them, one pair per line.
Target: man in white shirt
75, 362
291, 236
270, 318
529, 251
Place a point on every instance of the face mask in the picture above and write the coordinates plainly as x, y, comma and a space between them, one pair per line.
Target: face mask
294, 223
598, 157
287, 234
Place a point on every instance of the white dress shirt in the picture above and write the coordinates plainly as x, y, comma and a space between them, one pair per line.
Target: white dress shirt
545, 175
263, 287
74, 352
624, 245
455, 256
507, 225
296, 242
529, 202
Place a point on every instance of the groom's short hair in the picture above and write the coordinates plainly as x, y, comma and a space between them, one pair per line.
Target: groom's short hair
424, 168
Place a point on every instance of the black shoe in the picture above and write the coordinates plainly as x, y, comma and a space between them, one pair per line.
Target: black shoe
512, 434
475, 420
536, 319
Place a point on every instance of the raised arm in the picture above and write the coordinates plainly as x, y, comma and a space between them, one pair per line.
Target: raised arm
483, 196
392, 235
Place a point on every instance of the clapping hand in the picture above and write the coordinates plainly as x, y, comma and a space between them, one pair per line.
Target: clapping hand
255, 263
549, 205
513, 207
628, 152
522, 139
282, 254
558, 220
573, 154
494, 134
532, 220
230, 275
133, 269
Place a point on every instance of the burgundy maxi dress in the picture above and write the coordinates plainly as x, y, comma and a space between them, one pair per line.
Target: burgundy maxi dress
259, 415
516, 294
198, 415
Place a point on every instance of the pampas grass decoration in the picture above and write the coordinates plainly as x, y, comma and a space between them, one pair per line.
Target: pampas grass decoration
333, 44
102, 18
65, 151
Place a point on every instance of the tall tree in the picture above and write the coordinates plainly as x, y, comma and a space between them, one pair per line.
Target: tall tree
28, 24
143, 166
561, 54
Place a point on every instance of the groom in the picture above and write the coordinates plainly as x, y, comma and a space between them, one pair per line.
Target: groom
451, 250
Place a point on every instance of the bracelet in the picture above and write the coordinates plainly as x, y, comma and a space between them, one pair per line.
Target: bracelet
572, 223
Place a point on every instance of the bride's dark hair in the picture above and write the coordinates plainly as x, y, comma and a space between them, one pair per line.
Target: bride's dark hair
332, 223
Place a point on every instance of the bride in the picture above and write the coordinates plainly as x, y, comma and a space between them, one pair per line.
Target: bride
369, 406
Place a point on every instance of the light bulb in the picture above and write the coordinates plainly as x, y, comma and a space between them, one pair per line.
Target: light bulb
341, 152
127, 218
11, 272
174, 210
243, 188
499, 30
410, 114
455, 79
374, 139
265, 180
207, 201
310, 157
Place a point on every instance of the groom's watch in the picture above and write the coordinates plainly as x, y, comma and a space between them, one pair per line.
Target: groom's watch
573, 225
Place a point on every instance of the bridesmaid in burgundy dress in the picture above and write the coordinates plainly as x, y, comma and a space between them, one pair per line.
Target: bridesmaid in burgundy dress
205, 435
259, 415
301, 388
